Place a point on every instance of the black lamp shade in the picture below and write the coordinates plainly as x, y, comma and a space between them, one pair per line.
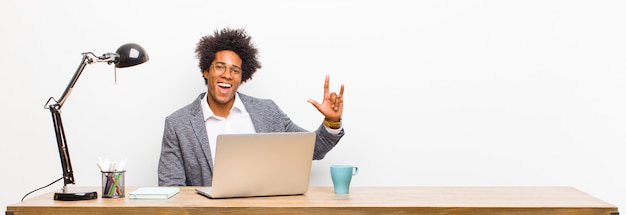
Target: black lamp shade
130, 54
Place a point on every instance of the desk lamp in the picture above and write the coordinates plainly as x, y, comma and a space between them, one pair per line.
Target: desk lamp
126, 55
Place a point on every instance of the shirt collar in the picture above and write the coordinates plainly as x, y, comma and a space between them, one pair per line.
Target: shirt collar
237, 108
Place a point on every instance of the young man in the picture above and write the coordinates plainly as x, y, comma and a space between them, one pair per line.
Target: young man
228, 58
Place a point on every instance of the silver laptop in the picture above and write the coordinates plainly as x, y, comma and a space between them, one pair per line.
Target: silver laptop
262, 164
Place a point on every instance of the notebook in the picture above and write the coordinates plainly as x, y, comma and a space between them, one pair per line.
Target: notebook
261, 164
154, 193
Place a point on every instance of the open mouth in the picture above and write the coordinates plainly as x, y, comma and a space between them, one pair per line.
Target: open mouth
224, 85
224, 88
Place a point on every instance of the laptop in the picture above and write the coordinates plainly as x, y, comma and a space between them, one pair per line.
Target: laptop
261, 164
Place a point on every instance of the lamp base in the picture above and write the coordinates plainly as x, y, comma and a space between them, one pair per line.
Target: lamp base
75, 196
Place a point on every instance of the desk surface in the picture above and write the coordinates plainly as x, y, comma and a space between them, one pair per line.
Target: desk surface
361, 200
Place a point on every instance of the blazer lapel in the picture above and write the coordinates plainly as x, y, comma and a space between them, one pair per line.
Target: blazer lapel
199, 129
256, 115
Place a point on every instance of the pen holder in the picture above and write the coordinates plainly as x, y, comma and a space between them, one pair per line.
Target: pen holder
113, 184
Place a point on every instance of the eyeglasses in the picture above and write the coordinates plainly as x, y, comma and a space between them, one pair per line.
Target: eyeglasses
220, 68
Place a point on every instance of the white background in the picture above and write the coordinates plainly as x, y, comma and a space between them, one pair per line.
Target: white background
452, 93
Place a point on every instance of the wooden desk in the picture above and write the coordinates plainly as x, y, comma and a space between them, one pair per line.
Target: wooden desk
361, 200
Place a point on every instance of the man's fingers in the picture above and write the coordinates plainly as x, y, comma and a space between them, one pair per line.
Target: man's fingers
341, 91
326, 84
314, 103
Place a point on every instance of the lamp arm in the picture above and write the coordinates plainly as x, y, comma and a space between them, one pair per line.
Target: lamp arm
55, 110
64, 154
86, 60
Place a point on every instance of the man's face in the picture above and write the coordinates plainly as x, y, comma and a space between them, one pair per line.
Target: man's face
224, 77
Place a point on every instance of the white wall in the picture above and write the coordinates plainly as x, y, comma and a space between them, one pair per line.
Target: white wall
467, 93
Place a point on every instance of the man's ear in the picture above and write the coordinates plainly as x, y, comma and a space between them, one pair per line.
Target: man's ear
205, 74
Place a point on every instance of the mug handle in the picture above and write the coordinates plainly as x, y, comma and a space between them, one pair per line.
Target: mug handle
355, 171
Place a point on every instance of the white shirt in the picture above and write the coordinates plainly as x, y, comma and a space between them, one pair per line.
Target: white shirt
238, 121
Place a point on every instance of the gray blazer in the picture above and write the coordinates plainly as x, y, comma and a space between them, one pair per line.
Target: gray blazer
185, 155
